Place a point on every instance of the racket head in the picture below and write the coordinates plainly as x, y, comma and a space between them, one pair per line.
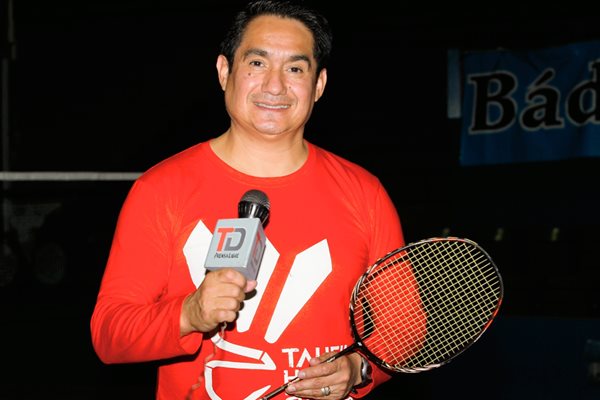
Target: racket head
420, 306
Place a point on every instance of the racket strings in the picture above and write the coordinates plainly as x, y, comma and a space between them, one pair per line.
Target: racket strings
390, 308
452, 285
465, 302
462, 308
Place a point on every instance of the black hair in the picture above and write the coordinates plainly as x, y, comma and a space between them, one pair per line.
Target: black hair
312, 19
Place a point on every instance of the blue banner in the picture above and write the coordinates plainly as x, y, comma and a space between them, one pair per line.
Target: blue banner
535, 105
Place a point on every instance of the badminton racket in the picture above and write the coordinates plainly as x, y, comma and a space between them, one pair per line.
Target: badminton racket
421, 305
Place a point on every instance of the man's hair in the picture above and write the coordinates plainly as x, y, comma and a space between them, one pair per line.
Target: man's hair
312, 19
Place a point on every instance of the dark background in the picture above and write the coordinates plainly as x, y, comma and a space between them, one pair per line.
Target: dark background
118, 86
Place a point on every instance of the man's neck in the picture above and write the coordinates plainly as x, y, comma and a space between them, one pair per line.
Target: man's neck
261, 156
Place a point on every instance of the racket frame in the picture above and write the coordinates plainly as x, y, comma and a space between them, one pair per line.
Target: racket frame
359, 344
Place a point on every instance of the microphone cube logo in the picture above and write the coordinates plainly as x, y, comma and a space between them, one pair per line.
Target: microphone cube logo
230, 238
237, 243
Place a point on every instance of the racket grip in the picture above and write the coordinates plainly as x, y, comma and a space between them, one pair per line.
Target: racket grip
278, 390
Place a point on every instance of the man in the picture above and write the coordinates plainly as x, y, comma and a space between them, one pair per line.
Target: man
220, 335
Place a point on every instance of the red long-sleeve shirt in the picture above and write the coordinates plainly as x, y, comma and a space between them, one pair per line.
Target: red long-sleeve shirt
328, 222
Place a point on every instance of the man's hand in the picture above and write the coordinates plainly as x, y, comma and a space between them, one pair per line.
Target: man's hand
217, 300
330, 380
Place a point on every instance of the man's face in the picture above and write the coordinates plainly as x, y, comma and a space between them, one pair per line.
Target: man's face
273, 85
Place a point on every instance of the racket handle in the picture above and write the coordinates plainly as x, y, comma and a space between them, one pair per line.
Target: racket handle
285, 385
278, 390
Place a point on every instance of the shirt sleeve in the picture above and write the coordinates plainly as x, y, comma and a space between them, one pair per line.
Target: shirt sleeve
386, 236
133, 319
411, 318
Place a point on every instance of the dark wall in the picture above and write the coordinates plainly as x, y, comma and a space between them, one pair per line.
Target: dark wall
101, 86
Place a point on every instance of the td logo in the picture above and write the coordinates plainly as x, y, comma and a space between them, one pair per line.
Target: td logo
230, 239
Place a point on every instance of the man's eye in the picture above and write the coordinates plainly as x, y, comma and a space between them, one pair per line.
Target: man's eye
256, 63
296, 69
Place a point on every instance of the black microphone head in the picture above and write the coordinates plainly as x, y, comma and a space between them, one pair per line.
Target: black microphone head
254, 204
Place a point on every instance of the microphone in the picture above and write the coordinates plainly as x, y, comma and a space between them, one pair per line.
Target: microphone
239, 243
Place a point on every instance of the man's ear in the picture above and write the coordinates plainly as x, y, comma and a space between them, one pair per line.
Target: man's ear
222, 70
321, 82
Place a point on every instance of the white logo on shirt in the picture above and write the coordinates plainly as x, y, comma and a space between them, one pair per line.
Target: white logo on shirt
309, 270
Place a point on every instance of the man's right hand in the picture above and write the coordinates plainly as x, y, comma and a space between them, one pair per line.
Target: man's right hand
218, 299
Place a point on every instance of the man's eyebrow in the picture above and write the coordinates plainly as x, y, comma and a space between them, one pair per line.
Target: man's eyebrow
264, 53
301, 57
256, 52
